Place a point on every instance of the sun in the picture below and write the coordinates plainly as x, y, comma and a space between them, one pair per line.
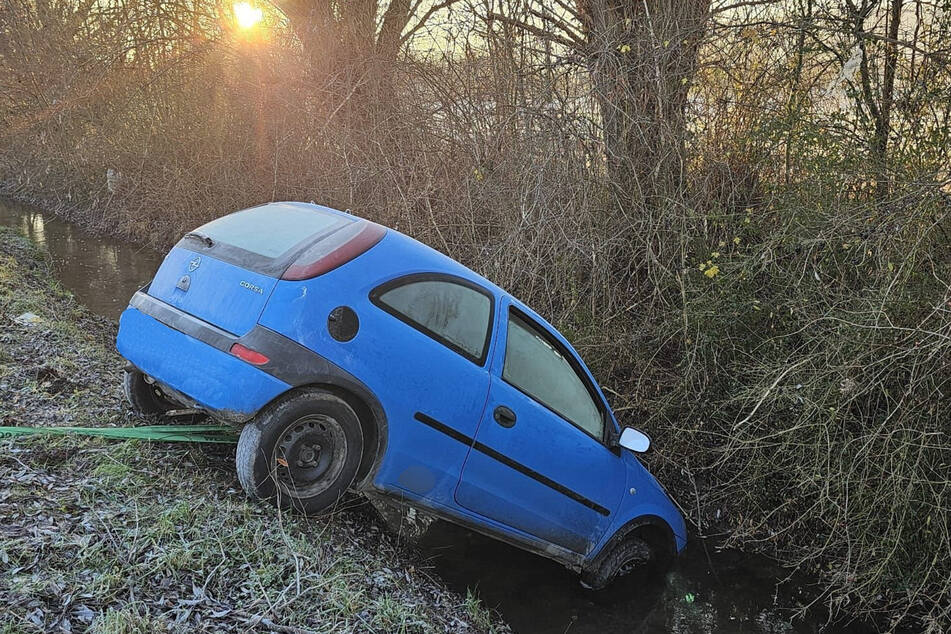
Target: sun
246, 15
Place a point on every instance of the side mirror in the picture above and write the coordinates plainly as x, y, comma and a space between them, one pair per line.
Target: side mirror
634, 440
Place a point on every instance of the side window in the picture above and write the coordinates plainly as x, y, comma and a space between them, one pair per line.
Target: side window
454, 314
538, 368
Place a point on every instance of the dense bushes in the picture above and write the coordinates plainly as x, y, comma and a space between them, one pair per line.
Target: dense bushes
819, 381
781, 326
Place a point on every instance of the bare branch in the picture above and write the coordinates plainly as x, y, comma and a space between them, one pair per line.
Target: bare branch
534, 30
744, 3
422, 21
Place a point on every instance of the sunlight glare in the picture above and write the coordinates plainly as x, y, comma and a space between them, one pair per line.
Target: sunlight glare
246, 15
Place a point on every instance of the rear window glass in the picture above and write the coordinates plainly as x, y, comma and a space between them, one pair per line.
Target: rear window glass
270, 230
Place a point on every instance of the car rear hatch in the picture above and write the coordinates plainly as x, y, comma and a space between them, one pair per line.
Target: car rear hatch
224, 271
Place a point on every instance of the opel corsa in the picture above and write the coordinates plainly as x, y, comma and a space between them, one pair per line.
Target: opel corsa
357, 358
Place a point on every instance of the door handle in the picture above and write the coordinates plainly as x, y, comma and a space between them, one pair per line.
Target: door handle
504, 416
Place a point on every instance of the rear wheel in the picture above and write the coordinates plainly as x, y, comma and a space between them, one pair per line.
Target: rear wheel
631, 553
146, 399
302, 452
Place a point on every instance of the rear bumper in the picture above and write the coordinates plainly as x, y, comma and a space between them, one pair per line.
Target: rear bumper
191, 358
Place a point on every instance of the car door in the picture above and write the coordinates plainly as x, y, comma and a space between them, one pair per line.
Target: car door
539, 463
434, 338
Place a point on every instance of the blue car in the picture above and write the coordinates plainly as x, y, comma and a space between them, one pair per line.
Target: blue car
357, 358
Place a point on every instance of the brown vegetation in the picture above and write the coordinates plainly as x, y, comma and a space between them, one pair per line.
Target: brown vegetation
737, 211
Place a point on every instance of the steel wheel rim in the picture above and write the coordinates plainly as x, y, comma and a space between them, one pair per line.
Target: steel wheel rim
309, 455
632, 562
628, 566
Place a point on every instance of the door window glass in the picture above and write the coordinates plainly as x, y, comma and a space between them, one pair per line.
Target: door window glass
538, 368
455, 315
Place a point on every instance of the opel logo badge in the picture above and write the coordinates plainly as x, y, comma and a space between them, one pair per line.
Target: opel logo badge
194, 264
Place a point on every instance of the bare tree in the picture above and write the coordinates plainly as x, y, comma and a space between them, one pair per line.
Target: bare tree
641, 56
879, 105
357, 41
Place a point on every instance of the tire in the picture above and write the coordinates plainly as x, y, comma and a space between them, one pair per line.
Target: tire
145, 399
302, 452
623, 558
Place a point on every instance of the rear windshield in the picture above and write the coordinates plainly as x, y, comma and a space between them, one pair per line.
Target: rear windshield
270, 230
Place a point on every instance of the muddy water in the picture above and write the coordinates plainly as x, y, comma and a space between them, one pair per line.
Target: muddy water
103, 273
705, 591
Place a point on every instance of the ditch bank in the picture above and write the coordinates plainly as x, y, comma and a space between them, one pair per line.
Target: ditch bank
145, 537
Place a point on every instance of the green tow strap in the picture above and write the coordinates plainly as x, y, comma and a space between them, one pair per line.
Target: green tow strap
164, 433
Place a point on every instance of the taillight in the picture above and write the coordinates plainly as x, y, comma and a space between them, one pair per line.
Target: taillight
336, 249
247, 354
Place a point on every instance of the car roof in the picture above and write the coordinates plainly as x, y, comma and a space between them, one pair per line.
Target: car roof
428, 259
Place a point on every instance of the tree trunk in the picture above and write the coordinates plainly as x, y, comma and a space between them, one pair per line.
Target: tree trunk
348, 53
879, 106
642, 55
883, 120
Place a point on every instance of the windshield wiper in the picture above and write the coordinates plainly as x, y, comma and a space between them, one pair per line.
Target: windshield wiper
194, 234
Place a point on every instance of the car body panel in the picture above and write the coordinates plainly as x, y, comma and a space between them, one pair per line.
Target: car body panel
645, 497
221, 293
407, 370
216, 380
543, 484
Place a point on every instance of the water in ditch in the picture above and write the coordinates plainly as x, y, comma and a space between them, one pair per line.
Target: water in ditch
102, 272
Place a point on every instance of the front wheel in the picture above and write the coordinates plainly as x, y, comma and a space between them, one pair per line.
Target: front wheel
631, 553
302, 452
